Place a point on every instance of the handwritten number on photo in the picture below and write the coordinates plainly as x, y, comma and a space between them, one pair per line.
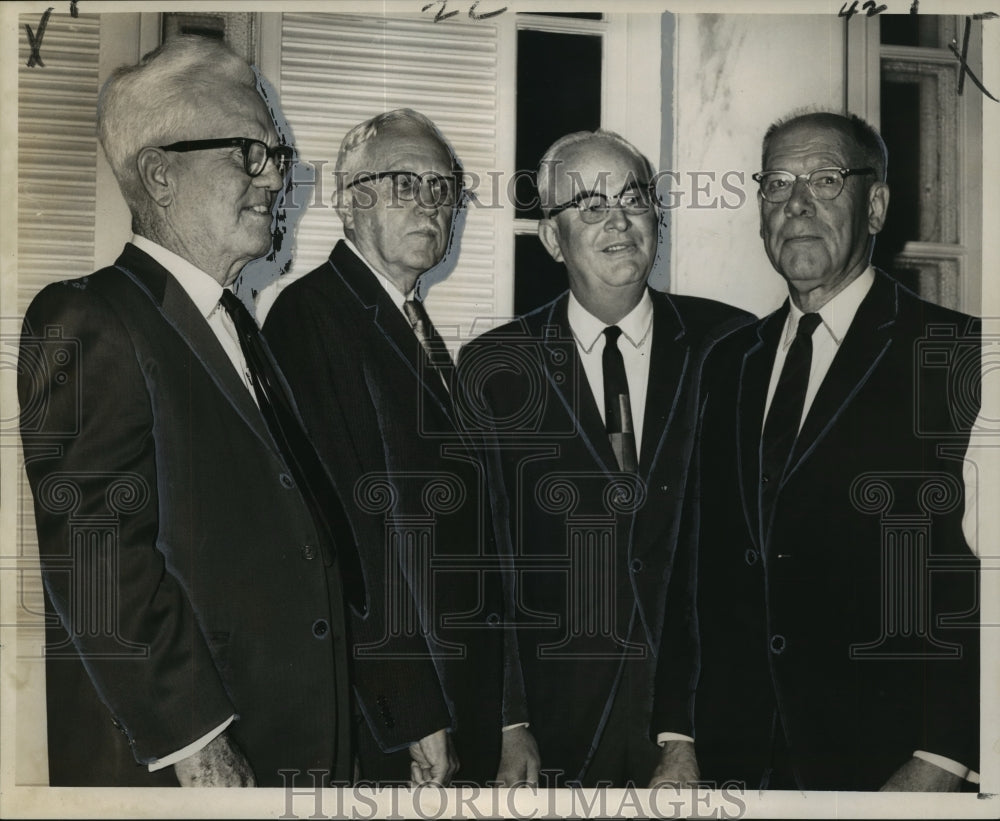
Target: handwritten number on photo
443, 5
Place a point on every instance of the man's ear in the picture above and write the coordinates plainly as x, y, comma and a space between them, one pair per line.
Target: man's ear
548, 233
760, 210
878, 204
153, 173
345, 209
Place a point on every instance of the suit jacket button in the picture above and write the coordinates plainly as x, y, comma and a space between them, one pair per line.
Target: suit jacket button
751, 556
308, 551
637, 565
777, 644
320, 628
493, 619
286, 481
764, 478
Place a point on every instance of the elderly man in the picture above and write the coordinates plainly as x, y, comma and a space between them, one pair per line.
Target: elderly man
591, 401
836, 592
373, 380
194, 582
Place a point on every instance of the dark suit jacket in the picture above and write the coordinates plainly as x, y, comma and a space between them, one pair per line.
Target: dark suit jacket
429, 650
593, 548
854, 612
177, 552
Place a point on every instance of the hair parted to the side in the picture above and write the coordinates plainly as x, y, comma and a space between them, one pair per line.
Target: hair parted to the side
351, 159
156, 102
554, 156
864, 135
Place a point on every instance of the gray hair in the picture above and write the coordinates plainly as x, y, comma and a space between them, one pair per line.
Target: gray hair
157, 101
350, 158
553, 158
864, 135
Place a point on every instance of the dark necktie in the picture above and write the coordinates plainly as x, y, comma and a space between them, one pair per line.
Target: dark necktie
617, 407
785, 415
430, 340
317, 489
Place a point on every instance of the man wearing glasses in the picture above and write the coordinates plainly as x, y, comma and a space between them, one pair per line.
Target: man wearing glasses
591, 400
836, 592
374, 383
197, 626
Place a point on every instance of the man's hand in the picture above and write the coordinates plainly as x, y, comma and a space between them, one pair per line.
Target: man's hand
677, 765
218, 764
434, 760
519, 758
917, 775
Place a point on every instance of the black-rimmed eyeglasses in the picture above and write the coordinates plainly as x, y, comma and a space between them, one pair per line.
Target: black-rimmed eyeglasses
823, 183
595, 207
255, 153
429, 189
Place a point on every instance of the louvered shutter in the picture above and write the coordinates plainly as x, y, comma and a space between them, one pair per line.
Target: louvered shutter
340, 69
57, 179
57, 154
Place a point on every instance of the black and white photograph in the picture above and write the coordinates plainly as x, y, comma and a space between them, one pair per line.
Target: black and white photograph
500, 409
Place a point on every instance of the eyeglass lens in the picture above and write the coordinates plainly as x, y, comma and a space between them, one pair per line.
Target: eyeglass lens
595, 207
440, 190
824, 183
256, 153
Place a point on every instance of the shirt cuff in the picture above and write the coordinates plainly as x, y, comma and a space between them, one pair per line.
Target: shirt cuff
191, 748
515, 726
948, 764
663, 738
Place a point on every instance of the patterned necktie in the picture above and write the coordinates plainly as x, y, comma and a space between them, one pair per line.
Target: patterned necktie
430, 340
785, 415
617, 407
282, 420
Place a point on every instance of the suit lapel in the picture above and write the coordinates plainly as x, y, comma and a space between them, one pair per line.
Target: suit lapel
388, 319
178, 309
569, 383
668, 361
864, 345
755, 376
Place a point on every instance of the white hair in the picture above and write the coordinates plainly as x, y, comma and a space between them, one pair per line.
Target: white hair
158, 101
553, 158
350, 158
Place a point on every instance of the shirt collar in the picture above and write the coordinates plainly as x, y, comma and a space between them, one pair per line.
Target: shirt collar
587, 328
838, 314
397, 296
205, 292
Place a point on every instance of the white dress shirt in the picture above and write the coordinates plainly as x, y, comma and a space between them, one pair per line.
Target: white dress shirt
397, 296
635, 344
837, 316
205, 292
